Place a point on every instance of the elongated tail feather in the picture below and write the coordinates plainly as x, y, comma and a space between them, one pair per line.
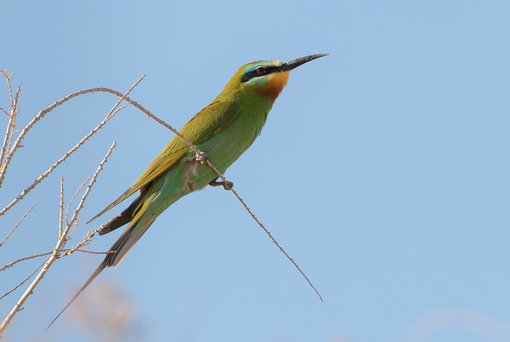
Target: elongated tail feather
98, 270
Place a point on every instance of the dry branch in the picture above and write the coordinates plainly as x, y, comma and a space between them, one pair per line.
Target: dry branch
29, 257
22, 282
62, 254
17, 225
268, 233
12, 113
55, 254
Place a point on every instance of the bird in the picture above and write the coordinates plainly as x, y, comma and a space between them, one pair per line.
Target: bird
223, 131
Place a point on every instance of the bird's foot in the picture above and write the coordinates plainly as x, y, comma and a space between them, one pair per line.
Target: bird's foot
225, 184
201, 157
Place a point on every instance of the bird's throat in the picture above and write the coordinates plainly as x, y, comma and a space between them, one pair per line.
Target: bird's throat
274, 85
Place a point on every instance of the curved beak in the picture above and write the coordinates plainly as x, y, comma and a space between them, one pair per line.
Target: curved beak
299, 61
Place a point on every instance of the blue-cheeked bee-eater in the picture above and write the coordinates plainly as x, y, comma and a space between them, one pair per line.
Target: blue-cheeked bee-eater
223, 131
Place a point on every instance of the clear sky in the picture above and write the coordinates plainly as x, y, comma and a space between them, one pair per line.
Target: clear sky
383, 170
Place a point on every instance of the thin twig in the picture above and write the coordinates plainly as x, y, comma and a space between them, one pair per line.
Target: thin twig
78, 191
71, 201
12, 114
86, 240
12, 263
65, 252
94, 252
61, 209
100, 167
22, 282
41, 114
17, 225
268, 233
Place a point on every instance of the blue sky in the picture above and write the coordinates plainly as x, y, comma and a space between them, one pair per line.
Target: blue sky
383, 168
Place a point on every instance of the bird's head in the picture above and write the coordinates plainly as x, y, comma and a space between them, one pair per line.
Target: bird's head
267, 78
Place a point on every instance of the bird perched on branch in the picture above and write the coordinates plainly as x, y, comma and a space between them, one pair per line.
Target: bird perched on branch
222, 131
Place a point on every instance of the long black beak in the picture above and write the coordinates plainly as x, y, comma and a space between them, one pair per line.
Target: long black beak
299, 61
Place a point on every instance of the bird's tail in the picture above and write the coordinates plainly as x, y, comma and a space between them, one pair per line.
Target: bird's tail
98, 270
141, 221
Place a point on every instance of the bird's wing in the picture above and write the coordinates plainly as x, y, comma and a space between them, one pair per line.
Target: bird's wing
206, 123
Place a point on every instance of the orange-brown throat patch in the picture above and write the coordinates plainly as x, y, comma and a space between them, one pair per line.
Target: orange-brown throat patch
274, 85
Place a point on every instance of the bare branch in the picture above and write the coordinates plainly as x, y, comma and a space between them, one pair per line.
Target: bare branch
41, 114
65, 253
68, 209
86, 240
94, 252
22, 282
12, 114
73, 198
55, 254
17, 225
12, 263
76, 212
268, 233
61, 209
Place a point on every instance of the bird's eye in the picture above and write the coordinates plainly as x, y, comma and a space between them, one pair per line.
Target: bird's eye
261, 71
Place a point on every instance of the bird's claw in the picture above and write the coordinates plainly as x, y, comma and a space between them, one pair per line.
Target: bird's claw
201, 157
228, 185
225, 184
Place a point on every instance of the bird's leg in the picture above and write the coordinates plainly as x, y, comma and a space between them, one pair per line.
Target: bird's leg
225, 184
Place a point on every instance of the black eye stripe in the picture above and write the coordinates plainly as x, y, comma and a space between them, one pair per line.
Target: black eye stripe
254, 73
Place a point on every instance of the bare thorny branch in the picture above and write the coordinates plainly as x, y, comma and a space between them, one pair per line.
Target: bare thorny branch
64, 222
